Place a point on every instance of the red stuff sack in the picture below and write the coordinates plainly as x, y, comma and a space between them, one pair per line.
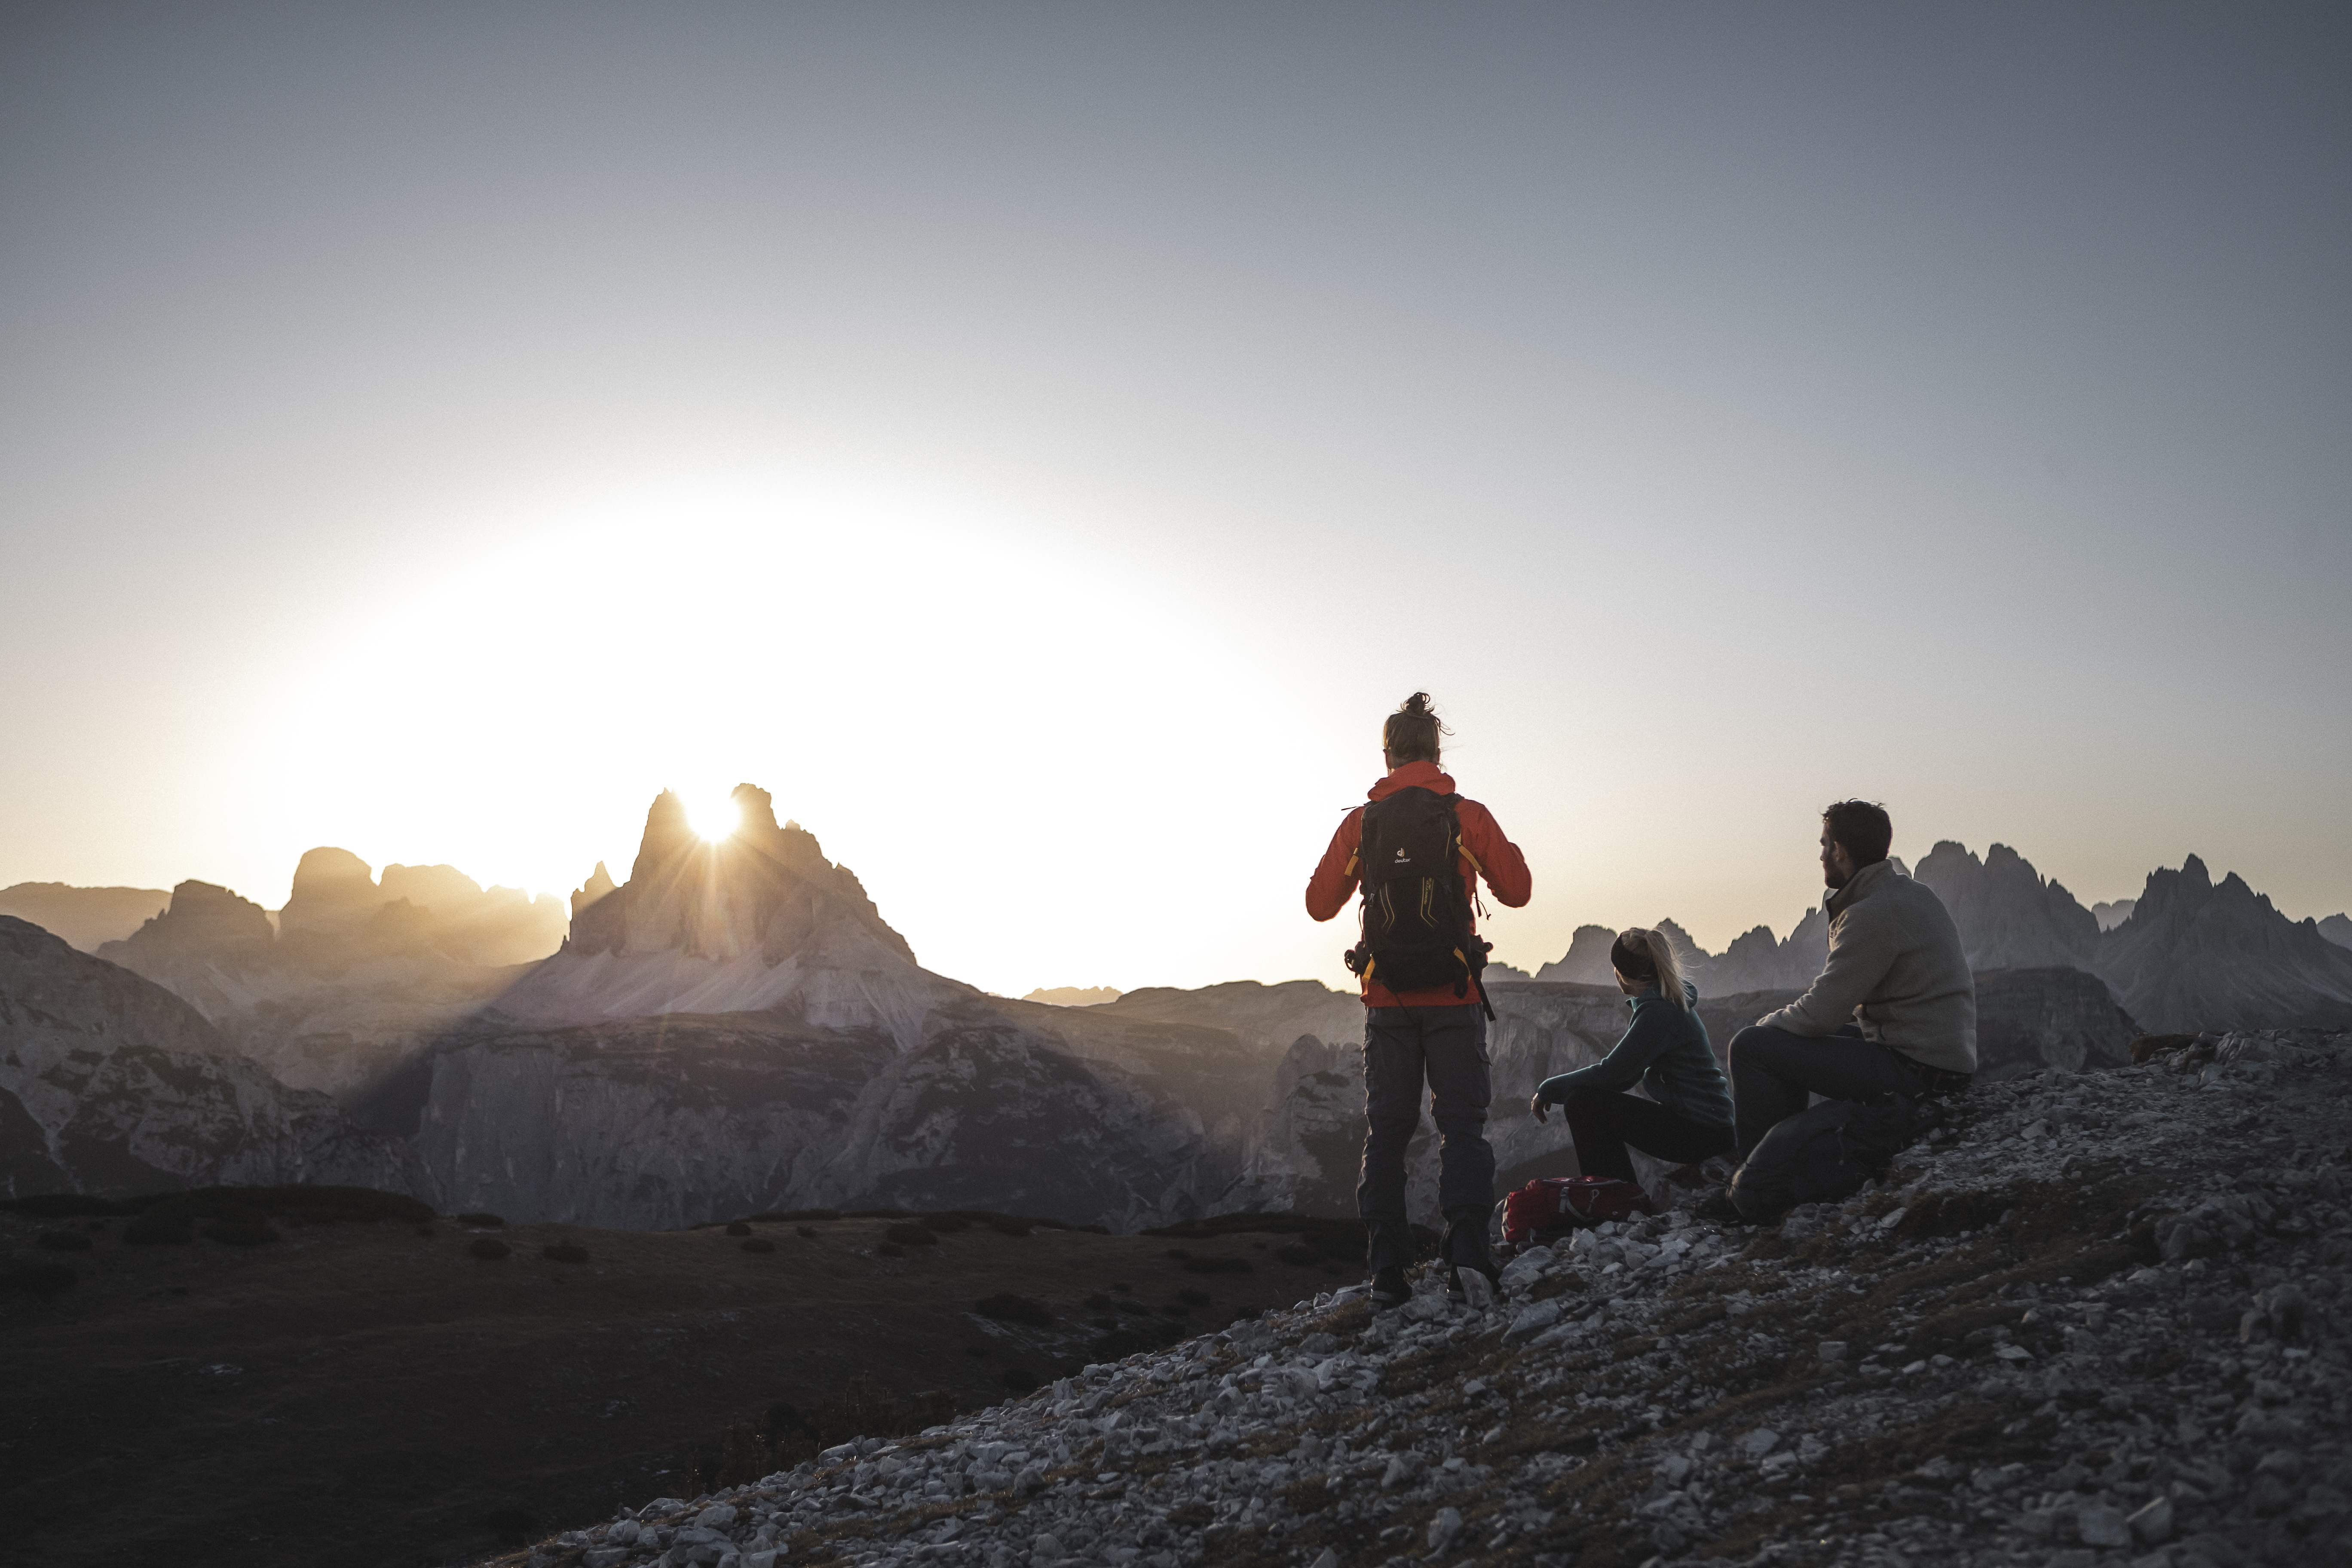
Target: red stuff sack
1552, 1202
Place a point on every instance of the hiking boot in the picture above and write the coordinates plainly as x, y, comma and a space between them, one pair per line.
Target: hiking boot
1475, 1286
1718, 1207
1389, 1290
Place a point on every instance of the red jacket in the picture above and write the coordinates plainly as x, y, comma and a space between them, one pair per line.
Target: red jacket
1485, 850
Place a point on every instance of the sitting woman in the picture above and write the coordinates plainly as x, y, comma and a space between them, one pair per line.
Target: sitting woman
1687, 1117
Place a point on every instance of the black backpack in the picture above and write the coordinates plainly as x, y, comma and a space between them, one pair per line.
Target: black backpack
1415, 912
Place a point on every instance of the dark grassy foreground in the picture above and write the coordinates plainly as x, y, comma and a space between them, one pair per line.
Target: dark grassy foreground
288, 1378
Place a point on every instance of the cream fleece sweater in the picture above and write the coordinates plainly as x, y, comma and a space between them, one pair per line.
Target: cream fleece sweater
1895, 967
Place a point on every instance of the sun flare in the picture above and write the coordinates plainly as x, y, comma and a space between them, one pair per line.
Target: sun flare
713, 817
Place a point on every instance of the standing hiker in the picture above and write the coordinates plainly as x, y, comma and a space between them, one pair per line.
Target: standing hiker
1417, 850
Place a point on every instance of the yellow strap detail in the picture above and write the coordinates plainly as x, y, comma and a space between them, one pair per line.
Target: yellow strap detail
1349, 870
1464, 850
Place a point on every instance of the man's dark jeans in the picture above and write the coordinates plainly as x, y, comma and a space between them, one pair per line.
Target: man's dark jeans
1447, 1048
1774, 1074
1604, 1121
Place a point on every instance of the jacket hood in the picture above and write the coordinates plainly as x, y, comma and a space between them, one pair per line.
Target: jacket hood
1424, 776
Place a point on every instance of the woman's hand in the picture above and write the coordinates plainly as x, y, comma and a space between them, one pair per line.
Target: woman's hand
1537, 1108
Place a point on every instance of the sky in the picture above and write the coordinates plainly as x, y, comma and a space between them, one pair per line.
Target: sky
1039, 444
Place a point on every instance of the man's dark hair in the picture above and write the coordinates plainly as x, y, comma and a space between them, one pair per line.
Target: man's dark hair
1862, 826
1411, 731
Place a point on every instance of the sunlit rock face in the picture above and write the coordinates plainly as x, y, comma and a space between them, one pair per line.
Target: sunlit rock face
2200, 955
757, 921
334, 890
108, 1082
339, 913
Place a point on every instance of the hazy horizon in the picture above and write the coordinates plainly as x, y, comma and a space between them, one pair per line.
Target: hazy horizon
1065, 433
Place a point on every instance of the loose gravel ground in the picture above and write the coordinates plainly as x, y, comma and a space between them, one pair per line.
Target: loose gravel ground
2099, 1320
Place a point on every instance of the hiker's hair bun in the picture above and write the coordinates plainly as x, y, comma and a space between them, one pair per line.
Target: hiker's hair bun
1411, 734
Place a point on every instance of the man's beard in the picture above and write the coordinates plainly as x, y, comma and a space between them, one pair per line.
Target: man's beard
1836, 877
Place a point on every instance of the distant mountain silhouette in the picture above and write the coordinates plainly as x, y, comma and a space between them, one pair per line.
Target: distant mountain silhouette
1754, 961
83, 917
2199, 955
2186, 955
1073, 995
2113, 913
354, 976
2008, 916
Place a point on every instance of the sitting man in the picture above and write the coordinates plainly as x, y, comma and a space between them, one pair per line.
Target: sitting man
1894, 1009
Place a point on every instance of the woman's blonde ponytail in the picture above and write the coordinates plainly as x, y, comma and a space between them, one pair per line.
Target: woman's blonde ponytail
1648, 957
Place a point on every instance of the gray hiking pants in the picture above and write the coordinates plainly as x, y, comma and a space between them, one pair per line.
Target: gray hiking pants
1445, 1048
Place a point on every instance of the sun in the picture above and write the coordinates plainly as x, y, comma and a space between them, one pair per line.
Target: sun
713, 817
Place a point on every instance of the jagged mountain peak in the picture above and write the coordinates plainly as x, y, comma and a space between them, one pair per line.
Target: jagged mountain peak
201, 916
2196, 955
765, 889
756, 920
2009, 915
599, 883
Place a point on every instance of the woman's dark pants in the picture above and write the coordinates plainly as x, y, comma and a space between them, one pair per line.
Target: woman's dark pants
1446, 1048
1604, 1121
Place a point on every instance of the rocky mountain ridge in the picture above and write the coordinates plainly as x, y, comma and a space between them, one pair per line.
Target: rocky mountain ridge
85, 917
757, 922
352, 987
736, 1028
2187, 954
111, 1082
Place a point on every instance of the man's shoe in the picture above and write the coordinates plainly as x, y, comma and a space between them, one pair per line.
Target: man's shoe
1718, 1207
1472, 1286
1389, 1290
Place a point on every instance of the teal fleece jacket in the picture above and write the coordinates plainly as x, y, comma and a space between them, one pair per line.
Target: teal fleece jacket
1665, 1050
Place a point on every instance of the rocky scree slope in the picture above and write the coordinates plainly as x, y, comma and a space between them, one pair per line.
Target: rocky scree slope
2100, 1318
111, 1082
